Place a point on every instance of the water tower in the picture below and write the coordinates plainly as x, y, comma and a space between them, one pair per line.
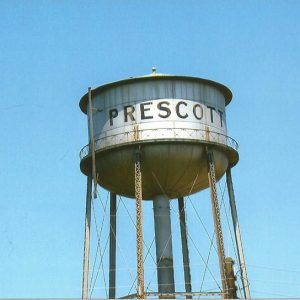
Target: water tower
156, 138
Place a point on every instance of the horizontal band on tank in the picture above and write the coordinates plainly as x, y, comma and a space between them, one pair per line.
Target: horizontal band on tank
231, 152
154, 136
180, 167
222, 88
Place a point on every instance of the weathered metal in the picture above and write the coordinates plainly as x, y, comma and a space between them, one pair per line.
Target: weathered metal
172, 118
139, 226
230, 278
163, 242
158, 137
217, 219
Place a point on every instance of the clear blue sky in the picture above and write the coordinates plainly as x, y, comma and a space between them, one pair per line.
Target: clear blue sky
51, 51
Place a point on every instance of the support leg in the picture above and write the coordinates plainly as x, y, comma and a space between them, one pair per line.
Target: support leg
112, 246
86, 256
163, 241
237, 234
185, 249
139, 227
217, 218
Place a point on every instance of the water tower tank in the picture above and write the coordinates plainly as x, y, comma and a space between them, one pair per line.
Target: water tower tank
172, 119
167, 133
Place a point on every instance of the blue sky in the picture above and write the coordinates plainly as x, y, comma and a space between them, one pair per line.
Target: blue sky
51, 51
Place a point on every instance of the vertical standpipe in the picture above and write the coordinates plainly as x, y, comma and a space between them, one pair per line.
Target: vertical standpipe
163, 241
92, 141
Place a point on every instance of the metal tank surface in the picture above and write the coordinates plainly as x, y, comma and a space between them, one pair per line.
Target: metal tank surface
171, 119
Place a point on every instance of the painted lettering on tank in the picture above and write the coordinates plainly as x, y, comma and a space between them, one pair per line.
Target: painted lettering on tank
128, 112
221, 117
113, 113
177, 108
198, 111
211, 108
145, 107
173, 109
164, 106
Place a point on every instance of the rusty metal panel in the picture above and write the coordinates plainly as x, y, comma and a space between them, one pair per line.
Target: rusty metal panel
162, 109
173, 117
